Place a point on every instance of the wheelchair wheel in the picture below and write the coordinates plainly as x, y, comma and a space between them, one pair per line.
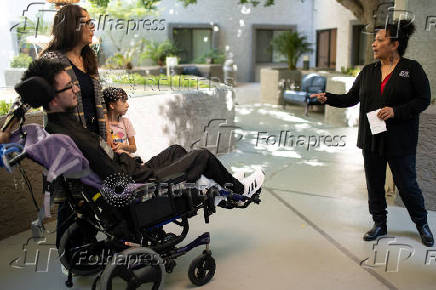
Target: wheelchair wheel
202, 269
80, 260
133, 268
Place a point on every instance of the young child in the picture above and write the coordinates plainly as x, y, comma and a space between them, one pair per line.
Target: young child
122, 131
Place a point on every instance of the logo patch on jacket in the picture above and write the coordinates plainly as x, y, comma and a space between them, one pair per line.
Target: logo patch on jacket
404, 73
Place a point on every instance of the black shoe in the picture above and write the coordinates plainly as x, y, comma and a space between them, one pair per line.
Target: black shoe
426, 235
374, 232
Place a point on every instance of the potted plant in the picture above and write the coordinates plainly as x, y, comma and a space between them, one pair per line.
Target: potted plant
213, 56
158, 52
17, 67
292, 45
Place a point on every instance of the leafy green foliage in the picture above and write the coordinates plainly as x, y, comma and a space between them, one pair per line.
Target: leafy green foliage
291, 44
4, 107
213, 56
151, 4
123, 58
119, 61
266, 3
158, 52
100, 3
351, 71
21, 60
118, 9
177, 81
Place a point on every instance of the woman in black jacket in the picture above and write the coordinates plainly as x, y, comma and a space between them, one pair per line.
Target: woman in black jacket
399, 89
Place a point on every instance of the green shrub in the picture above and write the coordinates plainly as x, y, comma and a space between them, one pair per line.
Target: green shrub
119, 61
158, 52
350, 71
21, 60
292, 45
177, 81
213, 56
4, 107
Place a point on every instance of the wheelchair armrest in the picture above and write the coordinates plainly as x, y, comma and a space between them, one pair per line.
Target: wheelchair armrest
11, 152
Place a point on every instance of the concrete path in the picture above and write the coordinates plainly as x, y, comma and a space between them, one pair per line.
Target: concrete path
306, 233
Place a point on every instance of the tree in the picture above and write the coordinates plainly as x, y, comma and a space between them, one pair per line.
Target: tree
291, 44
368, 12
151, 4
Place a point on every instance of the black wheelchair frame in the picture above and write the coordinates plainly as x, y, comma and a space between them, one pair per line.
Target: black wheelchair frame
133, 231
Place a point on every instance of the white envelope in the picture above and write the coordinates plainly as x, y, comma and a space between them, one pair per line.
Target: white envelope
376, 124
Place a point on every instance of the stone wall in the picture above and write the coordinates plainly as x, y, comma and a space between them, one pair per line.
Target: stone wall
271, 92
426, 158
341, 116
183, 118
423, 42
212, 71
16, 207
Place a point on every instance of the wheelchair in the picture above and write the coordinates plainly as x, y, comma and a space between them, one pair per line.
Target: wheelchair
115, 230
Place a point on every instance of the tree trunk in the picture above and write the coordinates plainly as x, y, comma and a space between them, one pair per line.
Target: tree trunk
370, 7
364, 11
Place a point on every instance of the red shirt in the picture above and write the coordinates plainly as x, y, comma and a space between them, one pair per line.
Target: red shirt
383, 84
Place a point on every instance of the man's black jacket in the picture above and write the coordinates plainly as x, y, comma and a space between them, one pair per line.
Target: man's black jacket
407, 92
102, 159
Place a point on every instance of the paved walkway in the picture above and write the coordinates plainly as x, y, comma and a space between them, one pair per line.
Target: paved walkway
306, 233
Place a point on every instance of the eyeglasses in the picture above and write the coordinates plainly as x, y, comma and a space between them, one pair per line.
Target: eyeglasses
89, 23
69, 86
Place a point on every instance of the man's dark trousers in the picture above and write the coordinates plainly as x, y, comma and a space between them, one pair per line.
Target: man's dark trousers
404, 172
175, 159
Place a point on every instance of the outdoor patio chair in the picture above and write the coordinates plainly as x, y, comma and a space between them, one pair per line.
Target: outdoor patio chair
310, 84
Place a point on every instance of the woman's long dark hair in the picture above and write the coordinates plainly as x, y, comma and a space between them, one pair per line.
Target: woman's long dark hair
67, 33
399, 31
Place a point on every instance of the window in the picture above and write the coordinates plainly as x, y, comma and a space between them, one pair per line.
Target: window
359, 45
326, 48
264, 52
193, 42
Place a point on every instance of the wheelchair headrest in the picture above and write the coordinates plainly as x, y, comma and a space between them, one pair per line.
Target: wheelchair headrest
35, 91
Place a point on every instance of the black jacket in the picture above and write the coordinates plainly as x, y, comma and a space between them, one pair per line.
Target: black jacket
102, 159
407, 92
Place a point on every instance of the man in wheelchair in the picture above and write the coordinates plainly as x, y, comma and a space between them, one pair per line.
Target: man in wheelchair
45, 83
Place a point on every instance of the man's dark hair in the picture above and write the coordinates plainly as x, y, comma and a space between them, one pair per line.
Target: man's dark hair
399, 31
46, 69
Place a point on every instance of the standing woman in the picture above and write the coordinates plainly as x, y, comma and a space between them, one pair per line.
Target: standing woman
400, 89
72, 35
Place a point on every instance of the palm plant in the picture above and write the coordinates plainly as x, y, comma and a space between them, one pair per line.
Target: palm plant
158, 52
292, 45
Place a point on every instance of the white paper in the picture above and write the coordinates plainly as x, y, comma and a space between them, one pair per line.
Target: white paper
376, 124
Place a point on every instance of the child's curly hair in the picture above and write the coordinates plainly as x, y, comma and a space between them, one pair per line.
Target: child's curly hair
111, 95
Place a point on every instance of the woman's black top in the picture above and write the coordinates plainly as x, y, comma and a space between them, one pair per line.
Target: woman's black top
88, 99
407, 92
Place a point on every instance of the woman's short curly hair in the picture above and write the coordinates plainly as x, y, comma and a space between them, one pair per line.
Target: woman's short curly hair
399, 31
